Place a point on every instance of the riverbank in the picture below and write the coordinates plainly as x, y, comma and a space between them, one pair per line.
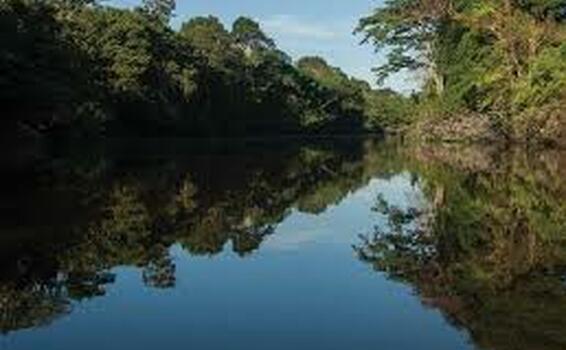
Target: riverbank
545, 126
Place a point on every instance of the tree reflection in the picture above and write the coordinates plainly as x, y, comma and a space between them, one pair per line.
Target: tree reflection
489, 247
484, 241
125, 211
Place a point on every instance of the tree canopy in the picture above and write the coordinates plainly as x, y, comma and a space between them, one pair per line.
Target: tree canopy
81, 68
502, 58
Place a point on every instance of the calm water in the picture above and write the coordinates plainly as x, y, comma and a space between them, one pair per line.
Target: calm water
330, 244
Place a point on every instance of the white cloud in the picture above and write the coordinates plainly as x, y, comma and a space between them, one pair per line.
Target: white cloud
292, 26
333, 39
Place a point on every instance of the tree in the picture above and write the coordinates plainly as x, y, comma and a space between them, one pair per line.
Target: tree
502, 58
118, 71
406, 30
161, 10
211, 40
41, 73
342, 91
248, 33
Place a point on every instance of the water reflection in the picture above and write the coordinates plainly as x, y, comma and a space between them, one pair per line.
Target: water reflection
478, 232
487, 248
114, 209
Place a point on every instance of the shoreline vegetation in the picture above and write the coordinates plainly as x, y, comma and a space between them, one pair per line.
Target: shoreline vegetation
81, 69
492, 71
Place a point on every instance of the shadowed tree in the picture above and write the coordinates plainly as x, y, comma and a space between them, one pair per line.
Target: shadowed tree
159, 9
248, 33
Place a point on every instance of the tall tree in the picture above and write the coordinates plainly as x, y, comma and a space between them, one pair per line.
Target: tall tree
406, 31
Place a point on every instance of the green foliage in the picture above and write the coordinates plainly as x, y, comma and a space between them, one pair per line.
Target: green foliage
98, 70
545, 8
337, 85
161, 10
501, 58
546, 80
38, 67
212, 41
404, 29
388, 109
121, 41
248, 33
379, 109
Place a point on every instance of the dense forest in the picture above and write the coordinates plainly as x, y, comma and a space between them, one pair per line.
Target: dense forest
492, 69
79, 68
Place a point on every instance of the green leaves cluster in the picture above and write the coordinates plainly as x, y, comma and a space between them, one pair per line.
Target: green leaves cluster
499, 57
81, 68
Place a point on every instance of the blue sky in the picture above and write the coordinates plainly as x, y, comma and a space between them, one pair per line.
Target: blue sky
300, 27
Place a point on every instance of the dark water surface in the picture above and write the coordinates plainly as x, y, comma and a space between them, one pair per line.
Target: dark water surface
330, 244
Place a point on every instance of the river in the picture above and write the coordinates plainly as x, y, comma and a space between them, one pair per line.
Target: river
340, 243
